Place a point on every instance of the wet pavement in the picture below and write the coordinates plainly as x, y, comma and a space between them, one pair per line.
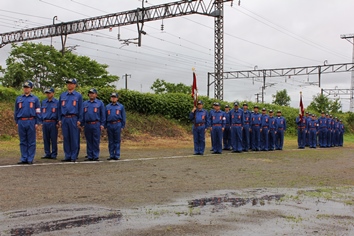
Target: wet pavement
316, 211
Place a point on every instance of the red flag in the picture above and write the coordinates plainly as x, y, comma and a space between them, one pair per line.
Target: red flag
194, 89
301, 108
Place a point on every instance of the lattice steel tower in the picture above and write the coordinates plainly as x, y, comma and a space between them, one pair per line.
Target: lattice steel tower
350, 39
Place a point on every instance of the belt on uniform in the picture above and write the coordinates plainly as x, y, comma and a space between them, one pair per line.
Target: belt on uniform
280, 128
236, 124
114, 122
69, 116
217, 124
199, 124
49, 120
247, 123
312, 128
255, 125
92, 122
265, 127
27, 118
272, 129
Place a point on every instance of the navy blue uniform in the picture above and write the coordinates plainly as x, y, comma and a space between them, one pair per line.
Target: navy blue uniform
341, 135
217, 123
200, 121
336, 133
27, 116
246, 130
49, 128
329, 132
256, 133
308, 119
116, 118
94, 117
312, 129
332, 127
301, 131
273, 127
264, 132
281, 125
237, 122
322, 126
70, 112
227, 132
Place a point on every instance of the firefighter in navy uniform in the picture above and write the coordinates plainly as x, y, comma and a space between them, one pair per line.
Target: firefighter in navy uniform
70, 117
94, 120
50, 125
301, 131
273, 127
200, 119
27, 118
312, 129
237, 123
256, 129
227, 131
217, 122
246, 128
281, 125
264, 130
323, 126
116, 119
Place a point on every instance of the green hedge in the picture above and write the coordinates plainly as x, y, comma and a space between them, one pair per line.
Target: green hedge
173, 105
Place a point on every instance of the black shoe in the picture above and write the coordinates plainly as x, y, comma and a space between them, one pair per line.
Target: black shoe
73, 161
53, 158
22, 163
111, 158
65, 160
211, 150
46, 157
30, 162
196, 154
96, 159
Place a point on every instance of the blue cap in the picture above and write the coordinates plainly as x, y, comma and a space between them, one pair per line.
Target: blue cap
28, 84
93, 90
236, 104
217, 104
114, 95
71, 81
227, 106
50, 90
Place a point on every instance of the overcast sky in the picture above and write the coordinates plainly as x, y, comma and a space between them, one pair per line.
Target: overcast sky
266, 34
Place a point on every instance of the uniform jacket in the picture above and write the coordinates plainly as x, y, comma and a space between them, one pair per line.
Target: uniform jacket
50, 109
27, 107
94, 111
115, 112
70, 104
237, 117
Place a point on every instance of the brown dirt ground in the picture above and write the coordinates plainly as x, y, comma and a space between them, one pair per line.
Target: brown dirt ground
137, 183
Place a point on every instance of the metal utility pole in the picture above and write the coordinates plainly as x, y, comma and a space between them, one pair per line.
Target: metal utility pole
126, 80
350, 39
257, 97
219, 50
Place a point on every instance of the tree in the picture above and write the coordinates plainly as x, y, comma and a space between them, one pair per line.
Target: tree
47, 67
161, 86
281, 98
321, 103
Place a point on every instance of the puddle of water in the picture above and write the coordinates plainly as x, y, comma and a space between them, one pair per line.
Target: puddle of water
227, 212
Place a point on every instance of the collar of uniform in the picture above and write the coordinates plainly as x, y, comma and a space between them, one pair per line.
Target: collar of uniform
29, 95
73, 92
93, 100
114, 104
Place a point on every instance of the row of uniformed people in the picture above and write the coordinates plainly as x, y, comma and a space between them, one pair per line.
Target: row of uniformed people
239, 129
324, 131
70, 113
